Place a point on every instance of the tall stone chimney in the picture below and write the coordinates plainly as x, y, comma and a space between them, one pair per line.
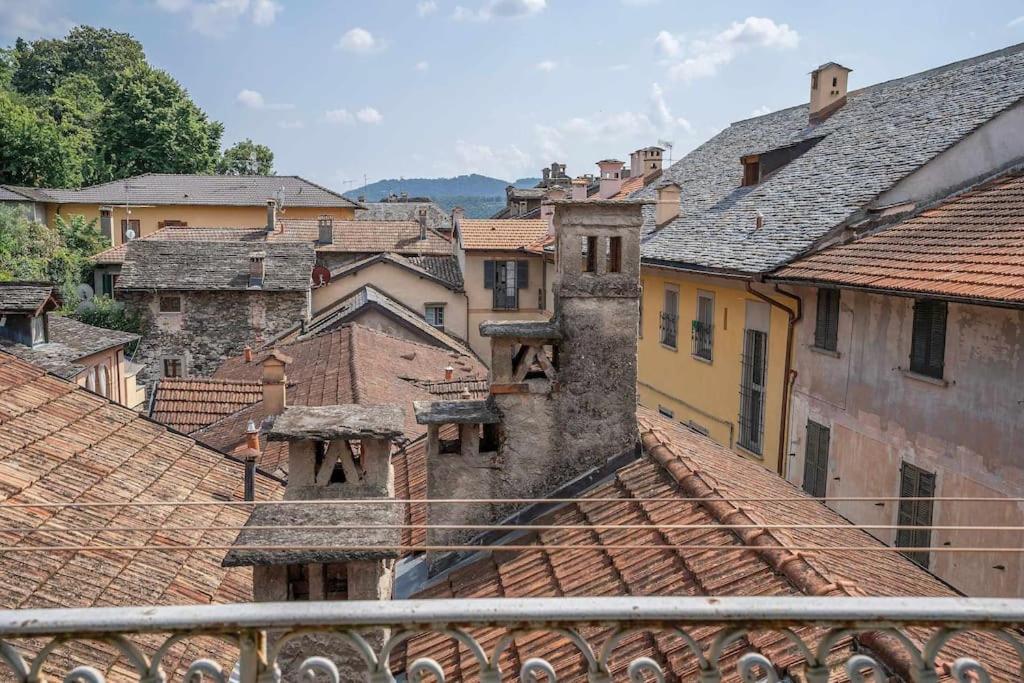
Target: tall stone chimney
257, 268
271, 215
579, 189
828, 90
645, 161
611, 177
421, 218
668, 205
275, 382
458, 213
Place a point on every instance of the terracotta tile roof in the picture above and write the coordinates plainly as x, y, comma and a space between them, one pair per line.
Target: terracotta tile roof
367, 237
679, 463
112, 256
353, 364
188, 404
512, 233
971, 246
61, 443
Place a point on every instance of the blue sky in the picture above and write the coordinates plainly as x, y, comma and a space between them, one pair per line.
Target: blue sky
410, 88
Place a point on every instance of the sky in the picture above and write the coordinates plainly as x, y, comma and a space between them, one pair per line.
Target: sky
341, 90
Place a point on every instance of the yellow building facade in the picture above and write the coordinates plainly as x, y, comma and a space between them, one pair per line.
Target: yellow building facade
722, 372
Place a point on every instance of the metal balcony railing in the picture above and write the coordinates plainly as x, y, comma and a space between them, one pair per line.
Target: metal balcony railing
828, 638
703, 336
669, 323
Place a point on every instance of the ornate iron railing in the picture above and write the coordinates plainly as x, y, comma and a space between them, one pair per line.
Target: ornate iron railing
669, 322
703, 335
259, 633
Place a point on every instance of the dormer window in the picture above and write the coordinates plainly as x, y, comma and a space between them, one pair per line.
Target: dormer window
751, 170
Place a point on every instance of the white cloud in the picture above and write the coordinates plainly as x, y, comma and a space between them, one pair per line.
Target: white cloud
1016, 22
425, 7
217, 18
339, 116
662, 116
422, 66
500, 9
369, 115
547, 65
291, 125
32, 19
702, 58
254, 99
761, 111
358, 40
507, 162
667, 44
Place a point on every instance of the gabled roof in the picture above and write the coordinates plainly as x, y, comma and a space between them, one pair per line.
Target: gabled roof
214, 265
401, 237
19, 193
62, 444
970, 247
213, 190
189, 404
9, 195
442, 269
681, 466
69, 342
500, 234
882, 133
27, 298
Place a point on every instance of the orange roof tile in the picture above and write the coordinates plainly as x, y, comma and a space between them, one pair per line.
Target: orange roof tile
60, 443
970, 247
368, 237
188, 404
679, 463
501, 234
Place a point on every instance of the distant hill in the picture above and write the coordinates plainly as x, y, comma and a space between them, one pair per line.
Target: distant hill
481, 196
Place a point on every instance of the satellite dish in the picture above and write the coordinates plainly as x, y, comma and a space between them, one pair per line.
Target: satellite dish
321, 276
130, 234
84, 292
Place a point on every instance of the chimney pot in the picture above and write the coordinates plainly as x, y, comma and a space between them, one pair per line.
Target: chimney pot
257, 268
271, 215
247, 353
449, 372
611, 177
667, 208
275, 382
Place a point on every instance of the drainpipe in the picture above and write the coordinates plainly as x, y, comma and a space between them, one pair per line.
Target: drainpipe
789, 374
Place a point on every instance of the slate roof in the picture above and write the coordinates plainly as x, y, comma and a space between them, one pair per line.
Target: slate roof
21, 193
212, 265
500, 234
437, 219
367, 237
353, 364
212, 190
682, 465
189, 404
69, 342
969, 247
26, 298
115, 255
442, 269
366, 297
452, 390
8, 195
883, 133
61, 443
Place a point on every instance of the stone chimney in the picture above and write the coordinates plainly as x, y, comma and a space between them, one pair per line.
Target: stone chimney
828, 90
257, 268
579, 189
271, 215
421, 217
251, 454
449, 373
611, 177
457, 215
645, 161
668, 205
325, 230
247, 353
275, 382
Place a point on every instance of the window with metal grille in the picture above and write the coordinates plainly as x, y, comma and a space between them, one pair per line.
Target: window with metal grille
670, 317
505, 279
752, 390
928, 343
703, 326
826, 324
816, 459
915, 483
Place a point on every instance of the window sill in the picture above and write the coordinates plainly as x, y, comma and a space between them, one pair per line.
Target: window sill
935, 381
701, 359
673, 349
825, 352
748, 452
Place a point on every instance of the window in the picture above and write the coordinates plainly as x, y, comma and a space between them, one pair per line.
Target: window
915, 483
589, 254
105, 223
928, 344
336, 581
173, 367
752, 389
505, 279
751, 171
170, 304
107, 284
614, 254
298, 582
816, 459
126, 225
435, 315
826, 324
670, 317
703, 326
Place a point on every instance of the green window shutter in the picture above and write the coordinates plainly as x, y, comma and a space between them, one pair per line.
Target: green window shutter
915, 483
826, 324
928, 343
522, 274
488, 274
816, 460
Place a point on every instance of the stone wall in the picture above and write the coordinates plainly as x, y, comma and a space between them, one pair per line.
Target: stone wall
212, 326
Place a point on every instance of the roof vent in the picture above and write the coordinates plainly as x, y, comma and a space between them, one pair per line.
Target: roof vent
828, 90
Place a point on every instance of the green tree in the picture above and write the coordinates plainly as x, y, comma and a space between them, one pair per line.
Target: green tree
103, 311
32, 149
151, 125
246, 158
97, 53
25, 247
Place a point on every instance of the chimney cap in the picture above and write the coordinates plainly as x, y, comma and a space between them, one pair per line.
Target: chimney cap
833, 64
250, 427
278, 356
328, 423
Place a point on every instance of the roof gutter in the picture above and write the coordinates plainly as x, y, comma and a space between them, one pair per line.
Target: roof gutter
789, 374
700, 270
994, 303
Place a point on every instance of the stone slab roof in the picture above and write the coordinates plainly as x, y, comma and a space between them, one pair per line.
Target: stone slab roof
445, 268
70, 341
26, 298
456, 388
437, 218
969, 247
60, 443
115, 255
214, 265
366, 237
682, 465
344, 421
883, 133
212, 190
188, 404
455, 412
500, 234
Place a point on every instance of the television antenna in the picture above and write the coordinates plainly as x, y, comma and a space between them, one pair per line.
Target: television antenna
667, 144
